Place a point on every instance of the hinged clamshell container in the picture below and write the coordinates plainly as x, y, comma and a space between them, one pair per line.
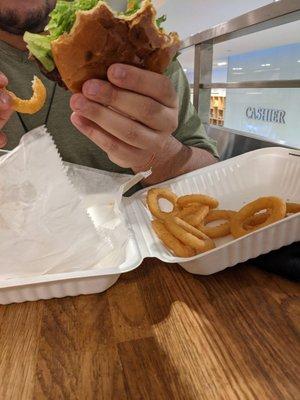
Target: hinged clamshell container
235, 182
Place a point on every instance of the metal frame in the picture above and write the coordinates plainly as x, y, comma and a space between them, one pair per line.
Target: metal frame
274, 14
204, 66
252, 84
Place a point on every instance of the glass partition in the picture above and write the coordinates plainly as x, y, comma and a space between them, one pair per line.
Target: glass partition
247, 74
271, 54
266, 113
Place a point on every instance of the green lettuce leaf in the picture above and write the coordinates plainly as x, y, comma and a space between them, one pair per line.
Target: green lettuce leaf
63, 16
161, 20
62, 19
40, 47
133, 6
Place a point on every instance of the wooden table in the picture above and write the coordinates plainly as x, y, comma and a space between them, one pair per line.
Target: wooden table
159, 333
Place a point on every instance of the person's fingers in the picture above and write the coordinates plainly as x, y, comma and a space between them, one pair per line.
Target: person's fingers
5, 100
120, 126
5, 108
3, 140
143, 109
118, 152
3, 80
150, 84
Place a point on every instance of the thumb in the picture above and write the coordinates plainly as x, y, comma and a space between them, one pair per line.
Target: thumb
3, 80
5, 108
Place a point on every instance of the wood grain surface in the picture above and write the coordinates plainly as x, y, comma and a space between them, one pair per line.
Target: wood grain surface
159, 333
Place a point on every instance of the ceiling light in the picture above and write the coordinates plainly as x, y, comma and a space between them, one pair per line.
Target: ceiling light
266, 65
237, 68
222, 63
185, 69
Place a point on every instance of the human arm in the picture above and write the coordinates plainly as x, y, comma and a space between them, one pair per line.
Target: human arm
134, 119
177, 159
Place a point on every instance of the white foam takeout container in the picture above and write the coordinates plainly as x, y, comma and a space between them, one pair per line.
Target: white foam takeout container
265, 172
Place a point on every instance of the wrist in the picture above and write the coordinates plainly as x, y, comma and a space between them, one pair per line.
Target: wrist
155, 158
147, 166
168, 162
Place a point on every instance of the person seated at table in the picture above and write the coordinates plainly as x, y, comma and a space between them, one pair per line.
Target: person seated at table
158, 127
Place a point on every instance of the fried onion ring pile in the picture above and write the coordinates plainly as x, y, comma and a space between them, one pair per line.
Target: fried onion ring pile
185, 230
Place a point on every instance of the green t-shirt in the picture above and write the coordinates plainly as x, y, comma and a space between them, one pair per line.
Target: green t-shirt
72, 145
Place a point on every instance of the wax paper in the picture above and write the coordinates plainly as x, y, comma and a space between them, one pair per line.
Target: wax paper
57, 217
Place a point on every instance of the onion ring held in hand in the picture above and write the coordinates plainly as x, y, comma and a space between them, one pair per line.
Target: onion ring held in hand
221, 230
153, 197
34, 104
170, 241
183, 201
277, 209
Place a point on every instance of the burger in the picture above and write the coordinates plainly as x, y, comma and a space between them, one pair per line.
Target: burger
84, 37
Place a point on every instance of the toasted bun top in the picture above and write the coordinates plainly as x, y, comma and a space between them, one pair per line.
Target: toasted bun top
99, 39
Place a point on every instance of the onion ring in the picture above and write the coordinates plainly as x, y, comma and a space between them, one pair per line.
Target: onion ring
189, 228
184, 236
260, 218
256, 219
292, 208
197, 198
154, 195
221, 230
189, 209
277, 209
208, 242
170, 241
194, 218
34, 104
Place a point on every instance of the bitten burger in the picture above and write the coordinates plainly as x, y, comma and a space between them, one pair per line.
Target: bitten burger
85, 37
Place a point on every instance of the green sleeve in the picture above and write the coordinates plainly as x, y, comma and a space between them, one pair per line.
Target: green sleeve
190, 130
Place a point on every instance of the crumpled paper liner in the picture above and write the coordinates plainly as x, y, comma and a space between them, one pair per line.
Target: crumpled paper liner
46, 226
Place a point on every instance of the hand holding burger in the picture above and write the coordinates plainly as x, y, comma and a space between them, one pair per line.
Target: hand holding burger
131, 117
114, 63
85, 37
